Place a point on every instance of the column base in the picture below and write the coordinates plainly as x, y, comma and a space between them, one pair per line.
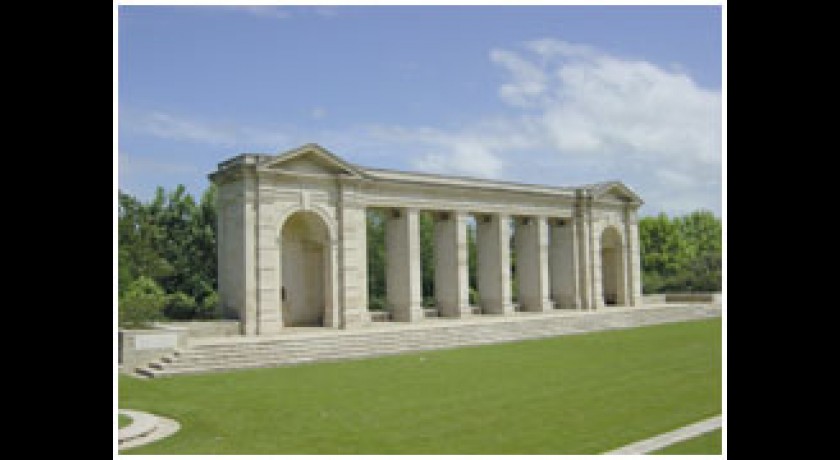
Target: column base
270, 327
545, 305
355, 317
455, 311
498, 309
408, 313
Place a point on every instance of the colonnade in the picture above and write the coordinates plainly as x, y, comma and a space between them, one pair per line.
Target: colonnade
547, 263
292, 242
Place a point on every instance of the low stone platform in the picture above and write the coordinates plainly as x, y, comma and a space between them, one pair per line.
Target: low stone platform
301, 345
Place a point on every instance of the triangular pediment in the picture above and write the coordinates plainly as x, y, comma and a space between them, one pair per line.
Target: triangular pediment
617, 192
311, 159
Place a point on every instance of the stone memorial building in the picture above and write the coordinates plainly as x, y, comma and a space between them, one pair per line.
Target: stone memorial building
293, 246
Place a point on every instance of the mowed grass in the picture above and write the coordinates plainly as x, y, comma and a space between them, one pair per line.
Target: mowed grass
123, 421
578, 394
707, 444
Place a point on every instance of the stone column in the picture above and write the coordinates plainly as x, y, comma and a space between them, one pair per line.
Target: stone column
247, 251
531, 241
268, 265
564, 264
351, 273
493, 248
452, 290
402, 240
633, 265
585, 260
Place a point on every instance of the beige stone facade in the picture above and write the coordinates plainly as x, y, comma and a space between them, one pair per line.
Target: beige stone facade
292, 242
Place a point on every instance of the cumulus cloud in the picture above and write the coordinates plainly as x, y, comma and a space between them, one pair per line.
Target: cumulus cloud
571, 104
573, 114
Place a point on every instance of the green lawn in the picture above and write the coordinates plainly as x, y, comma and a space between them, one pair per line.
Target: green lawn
707, 444
123, 420
578, 394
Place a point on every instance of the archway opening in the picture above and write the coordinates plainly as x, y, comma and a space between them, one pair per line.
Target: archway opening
612, 267
305, 258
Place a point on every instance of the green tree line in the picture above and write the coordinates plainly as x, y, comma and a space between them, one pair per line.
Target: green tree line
682, 253
167, 256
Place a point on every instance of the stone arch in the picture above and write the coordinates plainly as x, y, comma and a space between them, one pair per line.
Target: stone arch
613, 286
306, 268
326, 218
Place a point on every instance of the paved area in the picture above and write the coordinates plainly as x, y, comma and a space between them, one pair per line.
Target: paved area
301, 332
666, 439
145, 428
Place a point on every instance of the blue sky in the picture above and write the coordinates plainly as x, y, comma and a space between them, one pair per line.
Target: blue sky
557, 95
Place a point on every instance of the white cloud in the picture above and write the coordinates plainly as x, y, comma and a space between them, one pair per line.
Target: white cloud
573, 115
468, 156
134, 164
529, 81
318, 113
570, 104
265, 11
168, 126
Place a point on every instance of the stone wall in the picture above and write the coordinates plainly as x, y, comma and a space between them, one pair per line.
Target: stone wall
207, 328
138, 347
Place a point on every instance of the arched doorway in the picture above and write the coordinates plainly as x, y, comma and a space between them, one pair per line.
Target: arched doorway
612, 267
305, 270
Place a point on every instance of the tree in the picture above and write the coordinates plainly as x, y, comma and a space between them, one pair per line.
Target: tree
681, 253
376, 259
427, 257
141, 303
172, 241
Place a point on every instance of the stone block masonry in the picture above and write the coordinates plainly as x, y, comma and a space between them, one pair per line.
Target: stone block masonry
292, 243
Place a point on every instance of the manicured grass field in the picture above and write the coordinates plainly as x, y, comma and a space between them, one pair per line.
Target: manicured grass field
578, 394
123, 421
708, 444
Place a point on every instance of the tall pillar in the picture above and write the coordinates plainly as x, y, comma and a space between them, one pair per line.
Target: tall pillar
404, 292
247, 251
493, 248
452, 290
563, 258
586, 258
531, 241
351, 260
633, 265
268, 266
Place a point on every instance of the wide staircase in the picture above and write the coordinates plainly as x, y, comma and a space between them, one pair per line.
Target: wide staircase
393, 338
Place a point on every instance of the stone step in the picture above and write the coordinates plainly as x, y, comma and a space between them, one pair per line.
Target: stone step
189, 361
311, 345
296, 350
317, 354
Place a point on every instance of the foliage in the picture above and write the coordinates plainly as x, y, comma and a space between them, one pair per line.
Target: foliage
574, 394
171, 240
377, 303
376, 259
682, 253
209, 306
427, 258
474, 300
180, 306
141, 303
